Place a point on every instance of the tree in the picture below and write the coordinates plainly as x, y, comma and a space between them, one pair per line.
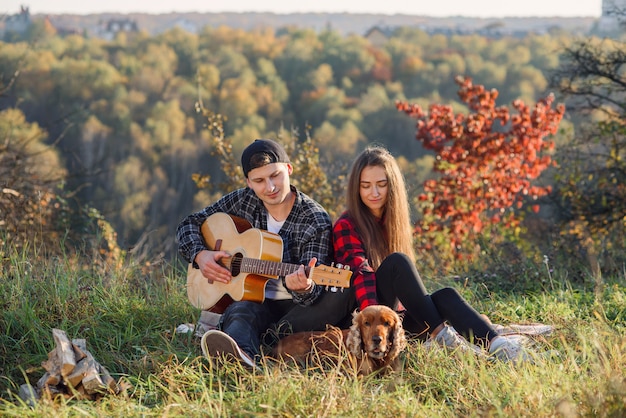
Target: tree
271, 93
36, 215
185, 45
486, 161
592, 182
33, 216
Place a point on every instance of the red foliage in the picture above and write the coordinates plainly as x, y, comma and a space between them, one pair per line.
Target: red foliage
487, 159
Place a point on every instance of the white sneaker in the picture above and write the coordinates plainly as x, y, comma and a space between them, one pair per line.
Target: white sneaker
513, 348
449, 338
524, 329
215, 344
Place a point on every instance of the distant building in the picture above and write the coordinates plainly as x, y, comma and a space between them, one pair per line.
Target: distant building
378, 36
109, 28
63, 32
18, 23
186, 25
613, 19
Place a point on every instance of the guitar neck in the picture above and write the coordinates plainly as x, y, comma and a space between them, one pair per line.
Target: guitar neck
264, 267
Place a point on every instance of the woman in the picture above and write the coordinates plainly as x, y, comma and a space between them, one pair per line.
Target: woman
374, 238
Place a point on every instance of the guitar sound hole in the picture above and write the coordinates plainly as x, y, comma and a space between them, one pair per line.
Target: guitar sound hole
235, 265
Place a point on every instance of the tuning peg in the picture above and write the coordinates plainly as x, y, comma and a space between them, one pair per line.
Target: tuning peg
339, 265
346, 267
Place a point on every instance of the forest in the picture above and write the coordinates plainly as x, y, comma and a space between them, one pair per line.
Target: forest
120, 139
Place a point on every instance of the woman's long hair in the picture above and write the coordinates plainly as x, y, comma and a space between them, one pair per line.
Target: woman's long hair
396, 234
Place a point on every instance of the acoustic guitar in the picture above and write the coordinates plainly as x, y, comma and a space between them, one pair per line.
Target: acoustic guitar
255, 258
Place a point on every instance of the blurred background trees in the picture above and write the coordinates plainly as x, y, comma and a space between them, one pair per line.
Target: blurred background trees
591, 182
31, 172
130, 121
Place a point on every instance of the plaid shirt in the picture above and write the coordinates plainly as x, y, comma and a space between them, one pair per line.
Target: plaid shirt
306, 232
349, 251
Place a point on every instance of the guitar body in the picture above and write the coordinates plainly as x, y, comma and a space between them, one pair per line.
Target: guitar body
238, 238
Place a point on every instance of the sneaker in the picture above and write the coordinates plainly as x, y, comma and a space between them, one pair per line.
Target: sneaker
216, 343
525, 329
449, 338
513, 348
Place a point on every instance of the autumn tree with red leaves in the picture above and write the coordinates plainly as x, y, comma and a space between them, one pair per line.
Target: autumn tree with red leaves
486, 162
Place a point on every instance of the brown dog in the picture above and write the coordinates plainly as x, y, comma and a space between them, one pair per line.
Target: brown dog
373, 342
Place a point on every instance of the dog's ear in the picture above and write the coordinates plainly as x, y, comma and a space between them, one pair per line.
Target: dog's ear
353, 340
399, 337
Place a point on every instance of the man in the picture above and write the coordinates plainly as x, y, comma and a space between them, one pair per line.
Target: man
292, 304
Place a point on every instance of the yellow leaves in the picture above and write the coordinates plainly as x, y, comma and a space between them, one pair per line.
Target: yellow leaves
202, 180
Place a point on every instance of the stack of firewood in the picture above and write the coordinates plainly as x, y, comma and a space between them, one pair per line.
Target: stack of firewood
71, 372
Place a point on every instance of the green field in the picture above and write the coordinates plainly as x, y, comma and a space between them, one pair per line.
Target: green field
128, 315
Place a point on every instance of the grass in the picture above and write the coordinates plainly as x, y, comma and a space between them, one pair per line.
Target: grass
128, 316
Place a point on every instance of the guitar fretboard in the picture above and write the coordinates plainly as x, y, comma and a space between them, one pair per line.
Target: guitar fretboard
264, 267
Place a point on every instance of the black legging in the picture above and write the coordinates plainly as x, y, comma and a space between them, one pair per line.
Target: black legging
397, 278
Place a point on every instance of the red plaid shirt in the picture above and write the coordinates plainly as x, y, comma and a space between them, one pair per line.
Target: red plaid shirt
349, 251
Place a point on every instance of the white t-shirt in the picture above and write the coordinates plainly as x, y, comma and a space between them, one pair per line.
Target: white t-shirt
274, 288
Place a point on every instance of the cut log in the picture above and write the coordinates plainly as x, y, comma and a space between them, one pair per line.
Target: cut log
72, 372
78, 373
92, 381
49, 379
80, 346
82, 394
65, 352
52, 363
52, 391
108, 380
28, 394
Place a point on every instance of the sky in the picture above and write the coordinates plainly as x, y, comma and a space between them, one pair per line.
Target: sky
438, 8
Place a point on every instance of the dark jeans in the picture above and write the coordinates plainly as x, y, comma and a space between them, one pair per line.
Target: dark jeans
397, 278
253, 324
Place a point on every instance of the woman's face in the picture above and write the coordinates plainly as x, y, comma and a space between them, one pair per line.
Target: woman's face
373, 189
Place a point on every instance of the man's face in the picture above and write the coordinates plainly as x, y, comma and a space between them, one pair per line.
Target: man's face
271, 182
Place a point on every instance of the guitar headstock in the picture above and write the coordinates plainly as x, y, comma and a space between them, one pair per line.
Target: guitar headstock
333, 276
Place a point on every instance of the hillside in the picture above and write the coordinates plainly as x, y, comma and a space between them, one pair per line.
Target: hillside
343, 22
